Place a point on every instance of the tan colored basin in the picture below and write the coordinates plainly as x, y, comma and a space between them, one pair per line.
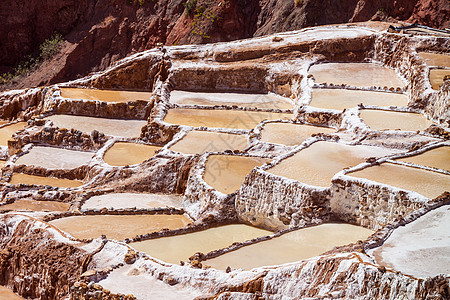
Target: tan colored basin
179, 248
55, 158
226, 173
437, 77
114, 127
2, 163
341, 99
104, 95
7, 132
356, 74
19, 178
290, 247
381, 120
269, 101
132, 200
435, 59
33, 205
7, 294
290, 134
118, 227
436, 158
205, 141
122, 153
221, 118
427, 183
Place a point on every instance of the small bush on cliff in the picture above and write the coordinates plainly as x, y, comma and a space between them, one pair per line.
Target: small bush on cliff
298, 2
51, 46
189, 6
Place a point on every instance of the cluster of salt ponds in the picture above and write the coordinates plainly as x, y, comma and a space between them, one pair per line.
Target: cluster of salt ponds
104, 95
436, 60
132, 200
123, 153
33, 205
55, 158
381, 120
290, 134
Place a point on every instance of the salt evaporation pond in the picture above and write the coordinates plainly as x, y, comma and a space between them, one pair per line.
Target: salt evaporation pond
205, 141
19, 178
54, 158
123, 153
226, 173
118, 227
7, 132
356, 74
427, 183
290, 134
318, 163
237, 119
33, 205
435, 59
292, 246
437, 77
104, 95
179, 248
7, 294
132, 200
269, 101
436, 158
420, 248
2, 163
114, 127
391, 120
341, 99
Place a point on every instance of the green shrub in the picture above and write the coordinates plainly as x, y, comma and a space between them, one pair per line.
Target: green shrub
51, 46
189, 6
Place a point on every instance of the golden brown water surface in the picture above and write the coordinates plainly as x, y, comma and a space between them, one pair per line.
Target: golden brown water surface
381, 120
205, 141
7, 132
221, 118
437, 77
122, 153
435, 59
104, 95
290, 134
290, 247
33, 205
226, 173
436, 158
179, 248
19, 178
118, 227
340, 99
7, 294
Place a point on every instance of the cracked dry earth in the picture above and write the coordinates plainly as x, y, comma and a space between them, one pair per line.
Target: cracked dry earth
312, 164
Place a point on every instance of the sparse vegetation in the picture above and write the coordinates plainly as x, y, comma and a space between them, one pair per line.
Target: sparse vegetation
298, 2
189, 6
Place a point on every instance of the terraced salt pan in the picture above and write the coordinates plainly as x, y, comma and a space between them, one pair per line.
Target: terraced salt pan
435, 59
122, 153
104, 95
132, 200
179, 248
290, 247
114, 127
7, 132
55, 158
290, 134
341, 99
437, 77
226, 173
420, 248
2, 163
318, 163
437, 158
8, 294
381, 120
427, 183
118, 227
235, 119
19, 178
356, 74
204, 141
269, 101
33, 205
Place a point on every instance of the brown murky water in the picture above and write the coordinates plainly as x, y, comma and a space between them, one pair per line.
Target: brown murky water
437, 158
290, 247
114, 127
317, 164
226, 173
435, 59
55, 158
122, 153
356, 74
19, 178
7, 294
179, 248
133, 200
437, 77
269, 101
205, 141
104, 95
381, 120
427, 183
118, 227
340, 99
7, 132
221, 118
33, 205
290, 134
